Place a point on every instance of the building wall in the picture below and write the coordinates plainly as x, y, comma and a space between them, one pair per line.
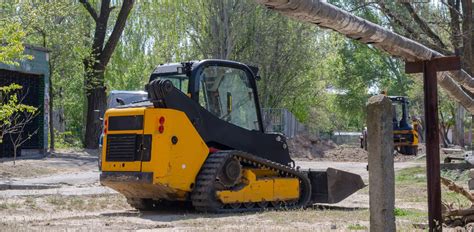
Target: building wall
38, 65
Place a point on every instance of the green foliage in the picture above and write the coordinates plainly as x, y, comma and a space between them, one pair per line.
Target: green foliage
400, 212
323, 78
66, 140
356, 72
357, 227
10, 105
61, 27
11, 36
410, 213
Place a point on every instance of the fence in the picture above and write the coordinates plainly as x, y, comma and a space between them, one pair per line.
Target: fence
281, 121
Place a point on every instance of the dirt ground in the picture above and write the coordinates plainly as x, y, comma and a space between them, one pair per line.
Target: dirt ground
62, 192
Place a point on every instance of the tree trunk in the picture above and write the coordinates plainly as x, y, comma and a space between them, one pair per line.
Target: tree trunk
14, 154
51, 110
443, 131
458, 132
96, 64
467, 55
96, 100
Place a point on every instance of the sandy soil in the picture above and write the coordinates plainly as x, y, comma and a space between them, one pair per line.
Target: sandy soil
64, 194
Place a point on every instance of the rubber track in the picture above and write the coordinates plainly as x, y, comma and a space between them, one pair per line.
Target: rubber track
204, 196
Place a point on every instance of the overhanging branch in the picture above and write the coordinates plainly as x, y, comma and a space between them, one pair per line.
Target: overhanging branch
328, 16
90, 9
423, 25
119, 26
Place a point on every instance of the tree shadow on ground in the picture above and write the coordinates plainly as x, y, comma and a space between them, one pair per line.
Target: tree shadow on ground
186, 212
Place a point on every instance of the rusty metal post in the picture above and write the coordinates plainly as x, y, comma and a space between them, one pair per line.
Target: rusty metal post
430, 69
432, 145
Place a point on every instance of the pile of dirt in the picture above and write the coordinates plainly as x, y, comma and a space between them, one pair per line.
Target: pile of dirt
313, 148
346, 153
353, 153
309, 147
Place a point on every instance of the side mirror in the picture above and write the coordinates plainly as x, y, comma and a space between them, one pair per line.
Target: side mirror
97, 118
120, 101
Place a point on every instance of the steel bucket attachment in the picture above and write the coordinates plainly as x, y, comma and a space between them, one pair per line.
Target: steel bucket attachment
333, 185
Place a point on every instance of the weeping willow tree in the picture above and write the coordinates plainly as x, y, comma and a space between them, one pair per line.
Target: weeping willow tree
328, 16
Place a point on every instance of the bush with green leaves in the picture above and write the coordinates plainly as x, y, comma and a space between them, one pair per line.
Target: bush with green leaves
10, 107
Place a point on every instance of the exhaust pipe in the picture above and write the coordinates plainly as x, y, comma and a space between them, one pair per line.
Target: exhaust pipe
333, 185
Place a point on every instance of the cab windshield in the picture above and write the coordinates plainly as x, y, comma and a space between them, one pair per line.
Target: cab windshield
227, 93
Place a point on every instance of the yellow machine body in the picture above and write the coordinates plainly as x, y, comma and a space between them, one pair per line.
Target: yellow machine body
172, 168
261, 188
177, 155
404, 133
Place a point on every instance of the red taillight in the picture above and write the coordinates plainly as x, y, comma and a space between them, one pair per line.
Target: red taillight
161, 127
105, 126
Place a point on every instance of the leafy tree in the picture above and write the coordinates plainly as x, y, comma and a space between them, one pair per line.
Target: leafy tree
10, 106
11, 35
445, 27
96, 64
58, 25
12, 110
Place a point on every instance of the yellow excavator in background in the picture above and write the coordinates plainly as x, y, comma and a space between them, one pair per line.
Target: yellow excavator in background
199, 138
405, 135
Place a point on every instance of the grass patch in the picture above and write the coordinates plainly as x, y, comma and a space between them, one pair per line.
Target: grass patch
410, 214
76, 204
56, 201
461, 178
357, 227
456, 199
400, 212
414, 175
456, 175
31, 202
410, 184
3, 205
13, 205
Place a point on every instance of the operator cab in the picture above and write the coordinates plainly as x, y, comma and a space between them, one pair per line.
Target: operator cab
400, 113
227, 89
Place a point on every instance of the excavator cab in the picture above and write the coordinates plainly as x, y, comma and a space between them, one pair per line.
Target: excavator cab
405, 136
200, 139
226, 89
